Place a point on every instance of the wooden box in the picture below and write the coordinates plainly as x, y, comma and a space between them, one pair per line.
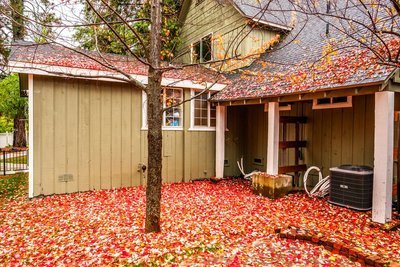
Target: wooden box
272, 186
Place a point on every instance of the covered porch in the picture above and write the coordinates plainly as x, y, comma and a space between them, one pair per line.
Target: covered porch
343, 126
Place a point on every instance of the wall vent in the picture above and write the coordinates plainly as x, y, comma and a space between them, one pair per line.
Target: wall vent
65, 178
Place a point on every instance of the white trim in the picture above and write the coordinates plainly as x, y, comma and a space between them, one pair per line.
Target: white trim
164, 128
199, 129
383, 157
347, 104
220, 141
30, 127
273, 138
144, 111
49, 70
275, 25
192, 104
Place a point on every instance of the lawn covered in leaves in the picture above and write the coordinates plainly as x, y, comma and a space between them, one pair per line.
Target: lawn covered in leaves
203, 224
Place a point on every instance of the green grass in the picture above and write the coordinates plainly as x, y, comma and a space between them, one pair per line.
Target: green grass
13, 186
18, 160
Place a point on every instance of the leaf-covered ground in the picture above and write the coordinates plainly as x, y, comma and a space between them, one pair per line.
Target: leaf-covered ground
203, 224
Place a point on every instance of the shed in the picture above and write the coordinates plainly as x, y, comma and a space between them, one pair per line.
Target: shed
87, 128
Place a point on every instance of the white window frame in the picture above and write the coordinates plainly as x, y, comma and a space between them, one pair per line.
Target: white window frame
164, 128
199, 40
192, 104
347, 104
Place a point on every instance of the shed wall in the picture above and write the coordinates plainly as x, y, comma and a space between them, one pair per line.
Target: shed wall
91, 130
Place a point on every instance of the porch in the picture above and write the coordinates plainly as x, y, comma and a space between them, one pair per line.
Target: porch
332, 135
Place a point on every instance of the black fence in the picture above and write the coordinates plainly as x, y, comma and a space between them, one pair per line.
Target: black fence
13, 160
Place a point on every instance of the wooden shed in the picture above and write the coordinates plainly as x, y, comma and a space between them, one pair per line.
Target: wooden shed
87, 130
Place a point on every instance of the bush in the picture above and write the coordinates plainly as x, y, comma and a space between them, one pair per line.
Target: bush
6, 125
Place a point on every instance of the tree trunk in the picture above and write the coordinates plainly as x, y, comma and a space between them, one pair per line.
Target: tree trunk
154, 119
19, 133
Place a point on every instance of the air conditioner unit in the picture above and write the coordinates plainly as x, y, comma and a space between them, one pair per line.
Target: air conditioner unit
351, 186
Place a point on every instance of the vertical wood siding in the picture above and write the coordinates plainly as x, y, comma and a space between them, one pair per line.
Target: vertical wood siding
334, 136
92, 131
227, 25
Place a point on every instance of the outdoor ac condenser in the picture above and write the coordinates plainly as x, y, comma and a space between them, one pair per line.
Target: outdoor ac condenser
351, 186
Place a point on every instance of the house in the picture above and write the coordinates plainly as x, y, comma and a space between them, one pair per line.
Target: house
213, 30
88, 131
303, 104
285, 111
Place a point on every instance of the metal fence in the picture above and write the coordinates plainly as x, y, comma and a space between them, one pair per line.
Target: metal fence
13, 161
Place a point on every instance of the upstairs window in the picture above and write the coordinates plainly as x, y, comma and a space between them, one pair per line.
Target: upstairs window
203, 113
202, 50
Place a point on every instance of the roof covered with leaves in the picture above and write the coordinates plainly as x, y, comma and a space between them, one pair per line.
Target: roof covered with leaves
62, 56
313, 56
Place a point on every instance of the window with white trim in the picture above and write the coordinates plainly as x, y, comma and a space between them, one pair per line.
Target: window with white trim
333, 102
202, 50
172, 117
203, 114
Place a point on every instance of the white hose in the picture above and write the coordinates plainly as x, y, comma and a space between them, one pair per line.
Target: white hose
321, 189
241, 168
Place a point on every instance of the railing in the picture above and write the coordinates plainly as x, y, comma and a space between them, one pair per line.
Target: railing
13, 160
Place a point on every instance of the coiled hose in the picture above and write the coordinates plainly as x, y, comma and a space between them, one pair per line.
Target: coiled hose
321, 189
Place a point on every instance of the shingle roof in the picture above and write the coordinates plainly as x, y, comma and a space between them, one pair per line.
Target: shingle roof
56, 55
274, 12
298, 64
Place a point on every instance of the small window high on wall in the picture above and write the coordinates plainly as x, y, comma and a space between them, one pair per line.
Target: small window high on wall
202, 112
332, 102
202, 50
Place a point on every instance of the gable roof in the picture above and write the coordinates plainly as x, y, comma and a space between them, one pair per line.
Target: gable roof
300, 64
271, 13
255, 11
53, 59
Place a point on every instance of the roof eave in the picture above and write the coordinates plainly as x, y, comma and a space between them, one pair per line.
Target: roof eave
381, 86
89, 74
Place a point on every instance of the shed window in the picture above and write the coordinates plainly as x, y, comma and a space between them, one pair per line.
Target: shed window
202, 50
173, 117
332, 102
203, 113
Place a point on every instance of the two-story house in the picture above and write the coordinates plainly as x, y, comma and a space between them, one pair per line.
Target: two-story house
236, 31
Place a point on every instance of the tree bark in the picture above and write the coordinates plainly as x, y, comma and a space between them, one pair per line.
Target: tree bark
154, 120
19, 133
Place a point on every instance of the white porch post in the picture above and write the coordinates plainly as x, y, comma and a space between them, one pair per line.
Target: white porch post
220, 141
30, 133
383, 157
273, 138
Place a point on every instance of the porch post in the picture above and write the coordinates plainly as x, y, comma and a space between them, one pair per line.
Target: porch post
30, 133
273, 138
383, 157
220, 141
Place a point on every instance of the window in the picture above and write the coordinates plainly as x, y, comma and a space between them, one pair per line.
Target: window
202, 50
332, 102
203, 113
173, 117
